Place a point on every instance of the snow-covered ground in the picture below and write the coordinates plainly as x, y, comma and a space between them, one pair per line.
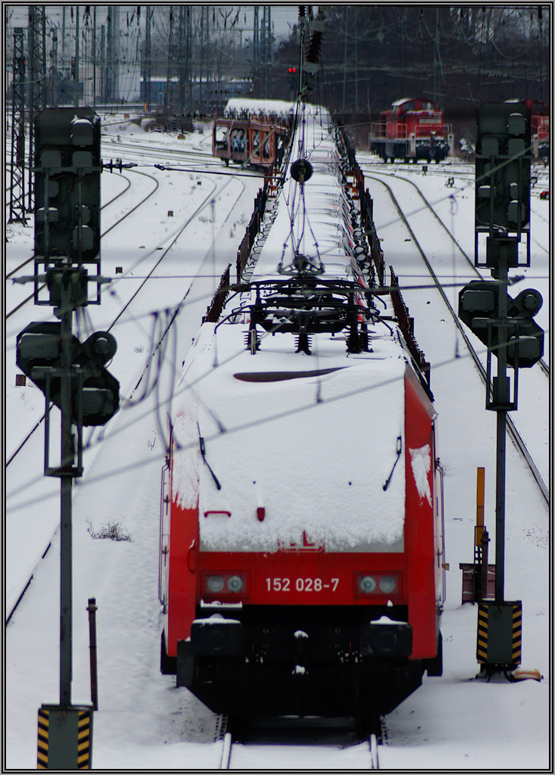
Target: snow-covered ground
143, 721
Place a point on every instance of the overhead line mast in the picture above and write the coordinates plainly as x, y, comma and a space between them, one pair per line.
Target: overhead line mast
17, 166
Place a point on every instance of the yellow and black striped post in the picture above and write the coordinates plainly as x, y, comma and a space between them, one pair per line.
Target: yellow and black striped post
44, 736
499, 642
64, 738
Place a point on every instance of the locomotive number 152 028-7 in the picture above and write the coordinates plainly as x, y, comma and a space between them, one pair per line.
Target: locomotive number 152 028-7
300, 585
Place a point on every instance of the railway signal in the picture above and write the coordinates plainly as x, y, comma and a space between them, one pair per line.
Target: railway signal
502, 192
71, 373
67, 186
517, 332
94, 391
292, 80
505, 325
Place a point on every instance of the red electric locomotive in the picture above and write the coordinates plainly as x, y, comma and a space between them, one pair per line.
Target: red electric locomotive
301, 563
412, 130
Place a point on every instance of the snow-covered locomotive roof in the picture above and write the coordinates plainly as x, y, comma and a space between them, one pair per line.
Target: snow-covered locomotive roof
425, 104
307, 438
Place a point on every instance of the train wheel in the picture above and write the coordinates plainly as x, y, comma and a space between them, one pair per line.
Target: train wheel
168, 665
434, 667
185, 664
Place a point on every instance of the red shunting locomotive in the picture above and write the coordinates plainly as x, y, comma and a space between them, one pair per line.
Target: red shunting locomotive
412, 130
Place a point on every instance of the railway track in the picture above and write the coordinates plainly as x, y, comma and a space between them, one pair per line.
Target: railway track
109, 229
204, 162
252, 752
513, 432
214, 193
542, 365
135, 150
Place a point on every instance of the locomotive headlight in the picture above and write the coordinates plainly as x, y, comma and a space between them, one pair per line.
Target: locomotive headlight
388, 584
378, 584
225, 584
367, 584
214, 583
235, 583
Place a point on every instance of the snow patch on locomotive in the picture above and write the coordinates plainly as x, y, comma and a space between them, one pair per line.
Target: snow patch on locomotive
421, 464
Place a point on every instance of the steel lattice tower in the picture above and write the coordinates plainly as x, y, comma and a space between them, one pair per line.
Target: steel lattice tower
17, 170
147, 70
266, 48
37, 81
112, 52
184, 49
169, 68
255, 42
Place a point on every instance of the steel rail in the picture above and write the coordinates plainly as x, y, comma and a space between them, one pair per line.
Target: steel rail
543, 366
226, 752
154, 349
117, 223
374, 755
113, 199
513, 432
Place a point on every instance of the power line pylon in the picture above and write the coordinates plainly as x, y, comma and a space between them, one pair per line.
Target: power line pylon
147, 68
266, 48
184, 49
112, 51
17, 169
36, 33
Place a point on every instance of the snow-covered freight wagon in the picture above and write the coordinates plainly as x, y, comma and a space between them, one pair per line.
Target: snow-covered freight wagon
253, 132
